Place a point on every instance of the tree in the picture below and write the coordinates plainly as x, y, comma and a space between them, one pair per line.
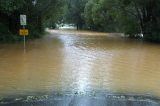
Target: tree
133, 17
74, 12
98, 16
143, 14
38, 13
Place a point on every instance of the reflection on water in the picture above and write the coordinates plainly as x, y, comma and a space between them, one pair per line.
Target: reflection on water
80, 61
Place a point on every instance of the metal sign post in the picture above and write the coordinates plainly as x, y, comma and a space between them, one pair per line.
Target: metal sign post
24, 31
24, 38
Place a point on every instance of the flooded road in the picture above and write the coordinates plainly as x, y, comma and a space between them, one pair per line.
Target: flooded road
80, 62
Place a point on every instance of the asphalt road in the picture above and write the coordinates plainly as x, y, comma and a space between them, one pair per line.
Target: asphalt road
83, 100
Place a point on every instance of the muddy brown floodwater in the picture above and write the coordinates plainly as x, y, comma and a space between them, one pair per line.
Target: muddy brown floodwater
80, 62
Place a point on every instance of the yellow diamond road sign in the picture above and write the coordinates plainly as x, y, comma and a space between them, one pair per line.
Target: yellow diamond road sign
23, 32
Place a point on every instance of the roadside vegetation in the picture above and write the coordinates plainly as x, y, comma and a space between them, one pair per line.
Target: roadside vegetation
135, 18
40, 13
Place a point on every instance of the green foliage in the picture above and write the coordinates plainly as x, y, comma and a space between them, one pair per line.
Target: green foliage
51, 19
100, 16
38, 14
6, 35
132, 17
74, 12
145, 15
9, 6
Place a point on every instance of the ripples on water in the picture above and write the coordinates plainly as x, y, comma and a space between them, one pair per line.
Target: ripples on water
80, 62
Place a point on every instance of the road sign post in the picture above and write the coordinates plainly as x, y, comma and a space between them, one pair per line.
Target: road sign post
24, 39
24, 31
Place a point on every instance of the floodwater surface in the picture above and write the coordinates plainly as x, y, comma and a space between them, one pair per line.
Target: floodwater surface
80, 61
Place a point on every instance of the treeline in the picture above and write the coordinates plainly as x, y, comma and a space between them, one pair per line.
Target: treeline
135, 18
39, 13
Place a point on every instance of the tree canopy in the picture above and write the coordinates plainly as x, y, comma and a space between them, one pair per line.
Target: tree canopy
132, 17
39, 12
